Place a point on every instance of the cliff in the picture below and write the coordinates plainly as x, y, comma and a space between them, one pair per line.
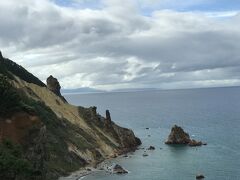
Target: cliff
53, 137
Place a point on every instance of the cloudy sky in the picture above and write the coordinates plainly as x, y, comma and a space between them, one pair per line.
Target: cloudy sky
112, 44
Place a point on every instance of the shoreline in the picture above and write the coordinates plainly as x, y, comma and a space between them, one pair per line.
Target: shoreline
102, 166
85, 171
80, 174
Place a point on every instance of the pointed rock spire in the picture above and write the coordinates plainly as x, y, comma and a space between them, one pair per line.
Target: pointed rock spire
108, 120
1, 57
54, 86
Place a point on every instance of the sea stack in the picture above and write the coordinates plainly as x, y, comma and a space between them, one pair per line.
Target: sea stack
54, 86
108, 120
179, 136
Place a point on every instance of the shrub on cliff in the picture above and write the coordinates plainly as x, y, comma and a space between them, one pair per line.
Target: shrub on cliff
12, 163
9, 99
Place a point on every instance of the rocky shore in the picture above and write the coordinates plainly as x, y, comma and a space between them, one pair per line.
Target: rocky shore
106, 166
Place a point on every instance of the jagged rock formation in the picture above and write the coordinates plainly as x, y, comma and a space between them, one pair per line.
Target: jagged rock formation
56, 138
54, 86
151, 148
108, 119
117, 169
179, 136
94, 115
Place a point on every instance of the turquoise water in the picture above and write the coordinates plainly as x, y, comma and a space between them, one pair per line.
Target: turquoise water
210, 115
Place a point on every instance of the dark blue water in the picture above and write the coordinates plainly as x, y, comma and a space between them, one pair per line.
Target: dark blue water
210, 115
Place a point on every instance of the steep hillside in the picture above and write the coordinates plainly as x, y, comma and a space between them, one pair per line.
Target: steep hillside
53, 137
10, 68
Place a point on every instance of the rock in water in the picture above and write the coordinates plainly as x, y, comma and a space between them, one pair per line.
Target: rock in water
200, 176
117, 169
138, 141
54, 86
145, 154
178, 136
151, 148
195, 143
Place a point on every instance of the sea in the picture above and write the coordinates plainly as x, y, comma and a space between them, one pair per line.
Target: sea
211, 115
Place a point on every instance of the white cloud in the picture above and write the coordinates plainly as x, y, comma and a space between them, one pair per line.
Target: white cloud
118, 47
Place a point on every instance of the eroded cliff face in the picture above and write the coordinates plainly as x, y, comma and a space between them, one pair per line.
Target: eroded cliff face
56, 136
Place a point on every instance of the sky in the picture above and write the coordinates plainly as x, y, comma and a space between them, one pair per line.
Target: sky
117, 44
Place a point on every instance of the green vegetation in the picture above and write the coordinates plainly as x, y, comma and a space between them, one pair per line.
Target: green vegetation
12, 163
8, 67
60, 131
9, 99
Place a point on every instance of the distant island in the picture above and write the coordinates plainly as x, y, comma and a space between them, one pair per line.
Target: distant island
81, 90
85, 90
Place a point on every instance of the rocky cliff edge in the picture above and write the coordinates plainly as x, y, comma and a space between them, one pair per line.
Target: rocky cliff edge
55, 137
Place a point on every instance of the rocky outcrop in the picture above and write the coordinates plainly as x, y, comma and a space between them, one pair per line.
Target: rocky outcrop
145, 154
54, 86
1, 60
94, 111
108, 120
94, 115
117, 169
1, 57
127, 138
179, 136
151, 148
194, 143
200, 176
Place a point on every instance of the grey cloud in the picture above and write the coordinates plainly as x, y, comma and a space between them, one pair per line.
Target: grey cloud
118, 47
